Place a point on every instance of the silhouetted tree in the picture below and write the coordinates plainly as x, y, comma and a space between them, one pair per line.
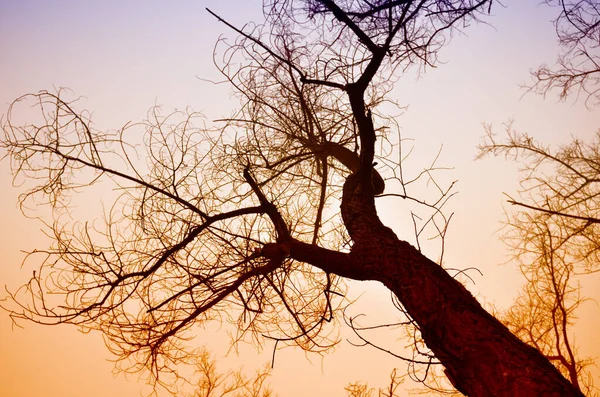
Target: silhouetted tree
241, 224
212, 383
555, 238
577, 68
554, 229
359, 389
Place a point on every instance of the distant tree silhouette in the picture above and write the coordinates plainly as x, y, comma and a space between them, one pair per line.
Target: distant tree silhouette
240, 224
212, 383
363, 390
577, 69
554, 234
553, 230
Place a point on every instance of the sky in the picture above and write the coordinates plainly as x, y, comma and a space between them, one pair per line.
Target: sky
124, 57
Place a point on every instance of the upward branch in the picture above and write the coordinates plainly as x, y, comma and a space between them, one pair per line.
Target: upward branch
283, 233
343, 17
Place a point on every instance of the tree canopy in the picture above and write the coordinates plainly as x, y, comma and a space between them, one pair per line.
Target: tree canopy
240, 222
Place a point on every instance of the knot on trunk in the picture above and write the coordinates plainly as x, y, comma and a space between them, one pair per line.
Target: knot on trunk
350, 160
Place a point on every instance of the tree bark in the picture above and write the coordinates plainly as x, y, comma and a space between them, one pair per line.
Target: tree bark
481, 356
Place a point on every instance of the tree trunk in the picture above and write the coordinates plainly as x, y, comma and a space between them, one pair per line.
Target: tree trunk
481, 356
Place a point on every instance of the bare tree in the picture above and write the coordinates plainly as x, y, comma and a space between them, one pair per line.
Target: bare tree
545, 311
359, 389
561, 188
240, 224
555, 238
577, 68
554, 229
212, 383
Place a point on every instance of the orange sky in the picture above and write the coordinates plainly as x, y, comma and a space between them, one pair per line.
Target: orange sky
127, 56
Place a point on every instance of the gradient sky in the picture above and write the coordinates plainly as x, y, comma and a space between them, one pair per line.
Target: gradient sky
125, 57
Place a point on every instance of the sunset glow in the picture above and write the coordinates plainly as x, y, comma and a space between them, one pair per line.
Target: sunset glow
123, 58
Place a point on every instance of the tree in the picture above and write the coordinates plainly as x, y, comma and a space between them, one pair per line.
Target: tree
554, 236
553, 231
238, 224
362, 390
212, 383
578, 65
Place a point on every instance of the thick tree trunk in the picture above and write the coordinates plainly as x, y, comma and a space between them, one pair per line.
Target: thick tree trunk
481, 356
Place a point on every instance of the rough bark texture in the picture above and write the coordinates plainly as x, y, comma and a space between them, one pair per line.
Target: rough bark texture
480, 355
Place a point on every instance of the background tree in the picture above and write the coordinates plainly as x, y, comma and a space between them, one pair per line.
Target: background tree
578, 65
212, 383
554, 228
554, 235
229, 224
359, 389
